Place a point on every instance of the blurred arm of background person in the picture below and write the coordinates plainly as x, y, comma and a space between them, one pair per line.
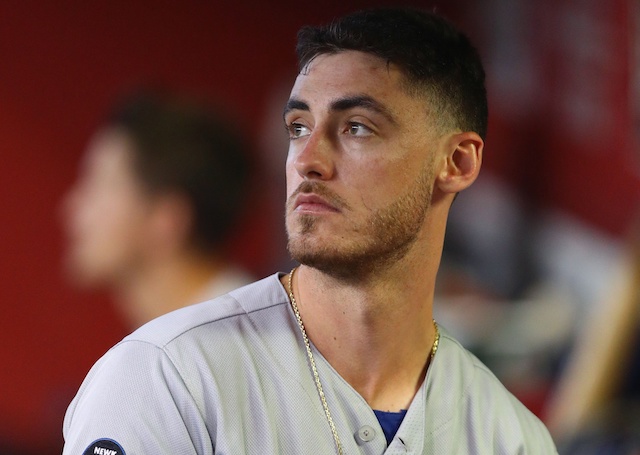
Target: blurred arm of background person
592, 389
160, 188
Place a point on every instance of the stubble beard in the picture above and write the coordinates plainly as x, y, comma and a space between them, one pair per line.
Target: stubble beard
383, 240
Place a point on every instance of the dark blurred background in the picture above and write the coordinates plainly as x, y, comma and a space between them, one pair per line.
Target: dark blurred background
551, 214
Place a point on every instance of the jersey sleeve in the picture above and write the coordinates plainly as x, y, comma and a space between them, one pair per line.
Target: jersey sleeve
134, 402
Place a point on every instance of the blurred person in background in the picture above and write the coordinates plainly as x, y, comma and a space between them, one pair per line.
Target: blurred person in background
161, 186
595, 408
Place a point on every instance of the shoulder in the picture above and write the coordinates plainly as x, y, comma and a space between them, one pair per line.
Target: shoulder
251, 298
162, 353
471, 392
151, 377
466, 372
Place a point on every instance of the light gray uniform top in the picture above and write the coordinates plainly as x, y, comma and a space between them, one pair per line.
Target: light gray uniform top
230, 376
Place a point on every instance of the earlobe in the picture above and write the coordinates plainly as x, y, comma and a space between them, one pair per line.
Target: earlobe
462, 162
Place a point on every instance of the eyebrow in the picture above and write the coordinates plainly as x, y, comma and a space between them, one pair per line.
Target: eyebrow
294, 104
344, 104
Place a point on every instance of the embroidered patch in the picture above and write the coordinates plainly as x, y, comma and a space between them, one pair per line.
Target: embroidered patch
104, 447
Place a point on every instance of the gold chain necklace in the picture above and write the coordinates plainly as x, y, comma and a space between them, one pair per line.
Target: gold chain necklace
312, 362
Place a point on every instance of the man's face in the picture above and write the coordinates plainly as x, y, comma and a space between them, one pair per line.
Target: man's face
105, 213
360, 168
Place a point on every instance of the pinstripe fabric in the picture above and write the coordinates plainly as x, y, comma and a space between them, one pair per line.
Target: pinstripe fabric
230, 376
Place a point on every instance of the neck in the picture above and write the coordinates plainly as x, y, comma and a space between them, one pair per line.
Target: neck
374, 334
166, 286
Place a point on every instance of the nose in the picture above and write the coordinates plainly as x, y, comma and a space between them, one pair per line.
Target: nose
314, 158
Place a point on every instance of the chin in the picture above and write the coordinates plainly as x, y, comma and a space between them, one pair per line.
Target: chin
348, 261
81, 274
342, 263
81, 279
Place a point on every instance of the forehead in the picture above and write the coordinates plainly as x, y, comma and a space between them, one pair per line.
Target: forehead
109, 151
349, 73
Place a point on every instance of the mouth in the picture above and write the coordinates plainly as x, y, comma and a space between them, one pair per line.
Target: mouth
310, 203
314, 198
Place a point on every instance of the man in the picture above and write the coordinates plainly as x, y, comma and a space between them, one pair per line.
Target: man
161, 187
386, 122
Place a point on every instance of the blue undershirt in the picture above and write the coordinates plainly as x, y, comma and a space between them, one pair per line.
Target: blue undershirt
390, 422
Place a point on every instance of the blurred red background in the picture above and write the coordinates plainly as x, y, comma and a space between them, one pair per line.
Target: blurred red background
562, 134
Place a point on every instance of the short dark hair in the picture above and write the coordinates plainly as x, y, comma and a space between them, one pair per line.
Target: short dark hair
436, 58
182, 145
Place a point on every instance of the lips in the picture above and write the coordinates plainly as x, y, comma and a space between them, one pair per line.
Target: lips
312, 203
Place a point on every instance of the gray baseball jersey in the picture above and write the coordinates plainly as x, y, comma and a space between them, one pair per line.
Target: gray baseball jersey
230, 376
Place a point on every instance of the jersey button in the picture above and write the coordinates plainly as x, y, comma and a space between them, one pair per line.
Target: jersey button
365, 434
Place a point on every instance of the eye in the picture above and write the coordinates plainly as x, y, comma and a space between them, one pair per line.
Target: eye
358, 130
297, 130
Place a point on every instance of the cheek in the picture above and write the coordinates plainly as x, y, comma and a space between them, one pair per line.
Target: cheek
115, 246
110, 220
293, 179
105, 235
376, 181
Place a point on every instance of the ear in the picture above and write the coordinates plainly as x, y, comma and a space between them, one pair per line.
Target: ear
171, 222
461, 162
